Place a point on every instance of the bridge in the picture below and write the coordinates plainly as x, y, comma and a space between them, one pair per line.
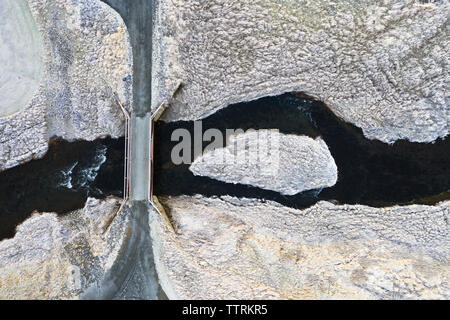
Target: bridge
138, 17
133, 274
139, 151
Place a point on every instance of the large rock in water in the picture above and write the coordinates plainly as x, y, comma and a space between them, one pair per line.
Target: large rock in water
270, 160
229, 248
84, 54
381, 65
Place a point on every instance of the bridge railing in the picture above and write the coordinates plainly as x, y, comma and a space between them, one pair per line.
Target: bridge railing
153, 199
127, 152
126, 167
153, 118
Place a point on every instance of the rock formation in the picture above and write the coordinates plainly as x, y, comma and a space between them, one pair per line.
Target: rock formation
85, 56
229, 248
54, 257
288, 164
381, 65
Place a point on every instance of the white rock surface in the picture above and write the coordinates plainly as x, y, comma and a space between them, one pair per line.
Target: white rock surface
233, 248
270, 160
381, 65
20, 56
86, 55
54, 257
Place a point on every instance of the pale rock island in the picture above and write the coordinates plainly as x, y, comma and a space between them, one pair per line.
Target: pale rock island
288, 164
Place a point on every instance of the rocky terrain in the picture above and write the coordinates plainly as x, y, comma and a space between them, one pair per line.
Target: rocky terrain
54, 257
229, 248
381, 65
85, 56
288, 164
63, 63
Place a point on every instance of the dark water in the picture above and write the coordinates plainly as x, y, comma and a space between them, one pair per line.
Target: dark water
370, 172
61, 181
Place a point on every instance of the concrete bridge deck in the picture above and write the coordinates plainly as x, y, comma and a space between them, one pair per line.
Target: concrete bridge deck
140, 157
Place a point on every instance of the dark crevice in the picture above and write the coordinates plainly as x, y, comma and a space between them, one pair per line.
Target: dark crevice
45, 185
370, 172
